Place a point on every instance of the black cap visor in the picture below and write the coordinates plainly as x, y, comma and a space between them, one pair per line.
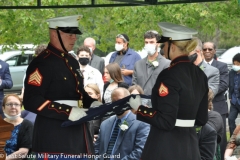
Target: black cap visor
164, 39
70, 30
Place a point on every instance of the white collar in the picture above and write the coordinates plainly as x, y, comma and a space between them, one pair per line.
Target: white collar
210, 62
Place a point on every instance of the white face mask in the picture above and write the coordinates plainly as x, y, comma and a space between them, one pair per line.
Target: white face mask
118, 47
150, 49
236, 68
11, 117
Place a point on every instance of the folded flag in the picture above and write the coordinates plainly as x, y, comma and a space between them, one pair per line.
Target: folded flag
108, 109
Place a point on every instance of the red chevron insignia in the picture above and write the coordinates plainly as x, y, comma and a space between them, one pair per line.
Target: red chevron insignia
35, 78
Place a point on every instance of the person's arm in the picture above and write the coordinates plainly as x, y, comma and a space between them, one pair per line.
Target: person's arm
164, 115
134, 76
140, 140
232, 142
126, 72
228, 153
6, 80
224, 79
213, 81
102, 66
18, 155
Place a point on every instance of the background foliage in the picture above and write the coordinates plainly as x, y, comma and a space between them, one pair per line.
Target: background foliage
215, 21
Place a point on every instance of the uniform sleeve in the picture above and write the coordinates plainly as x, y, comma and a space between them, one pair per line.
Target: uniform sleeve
162, 116
202, 114
37, 81
6, 79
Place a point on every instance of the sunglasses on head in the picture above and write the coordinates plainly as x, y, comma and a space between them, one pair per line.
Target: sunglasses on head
205, 49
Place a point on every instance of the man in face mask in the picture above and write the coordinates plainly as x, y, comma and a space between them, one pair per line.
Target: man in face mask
147, 70
234, 95
90, 74
125, 57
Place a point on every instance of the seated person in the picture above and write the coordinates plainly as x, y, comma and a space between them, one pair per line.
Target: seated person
94, 125
121, 136
207, 136
112, 74
18, 146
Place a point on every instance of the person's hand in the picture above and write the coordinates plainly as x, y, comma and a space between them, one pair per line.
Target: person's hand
231, 158
77, 113
126, 72
95, 138
135, 102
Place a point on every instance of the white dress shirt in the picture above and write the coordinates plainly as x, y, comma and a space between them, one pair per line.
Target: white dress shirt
210, 62
92, 75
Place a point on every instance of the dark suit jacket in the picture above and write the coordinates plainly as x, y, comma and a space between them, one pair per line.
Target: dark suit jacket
232, 73
207, 137
98, 63
129, 144
219, 101
6, 78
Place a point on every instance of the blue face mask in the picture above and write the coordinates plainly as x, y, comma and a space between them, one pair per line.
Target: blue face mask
111, 81
236, 68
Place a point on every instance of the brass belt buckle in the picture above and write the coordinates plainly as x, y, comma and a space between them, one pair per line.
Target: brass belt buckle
80, 104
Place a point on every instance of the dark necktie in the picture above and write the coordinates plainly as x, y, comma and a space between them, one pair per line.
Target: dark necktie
113, 137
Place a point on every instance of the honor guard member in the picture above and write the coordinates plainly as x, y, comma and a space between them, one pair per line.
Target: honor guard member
179, 100
54, 91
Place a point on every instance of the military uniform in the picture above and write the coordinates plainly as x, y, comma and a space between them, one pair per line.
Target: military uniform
55, 76
179, 101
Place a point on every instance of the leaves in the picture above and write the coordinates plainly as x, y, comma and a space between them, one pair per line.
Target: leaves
215, 21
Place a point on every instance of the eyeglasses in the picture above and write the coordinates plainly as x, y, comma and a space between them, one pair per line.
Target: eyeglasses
122, 37
12, 104
205, 49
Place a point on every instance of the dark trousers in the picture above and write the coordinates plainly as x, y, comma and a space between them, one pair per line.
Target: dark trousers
234, 110
223, 143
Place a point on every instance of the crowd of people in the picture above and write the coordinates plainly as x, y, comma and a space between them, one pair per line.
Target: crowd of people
185, 118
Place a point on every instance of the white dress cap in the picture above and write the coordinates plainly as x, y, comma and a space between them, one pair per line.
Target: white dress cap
172, 31
67, 21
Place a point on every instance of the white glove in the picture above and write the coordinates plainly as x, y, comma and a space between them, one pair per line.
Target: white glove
77, 113
95, 104
231, 158
135, 103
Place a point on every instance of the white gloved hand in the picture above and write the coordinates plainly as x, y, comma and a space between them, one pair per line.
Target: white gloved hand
77, 113
95, 104
231, 158
135, 103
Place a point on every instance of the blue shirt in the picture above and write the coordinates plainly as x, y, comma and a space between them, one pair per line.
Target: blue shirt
122, 119
128, 61
11, 144
236, 95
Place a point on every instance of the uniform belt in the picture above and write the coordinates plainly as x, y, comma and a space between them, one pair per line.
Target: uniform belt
184, 123
73, 103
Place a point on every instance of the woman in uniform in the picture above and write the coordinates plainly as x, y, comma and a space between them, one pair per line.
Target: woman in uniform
179, 100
